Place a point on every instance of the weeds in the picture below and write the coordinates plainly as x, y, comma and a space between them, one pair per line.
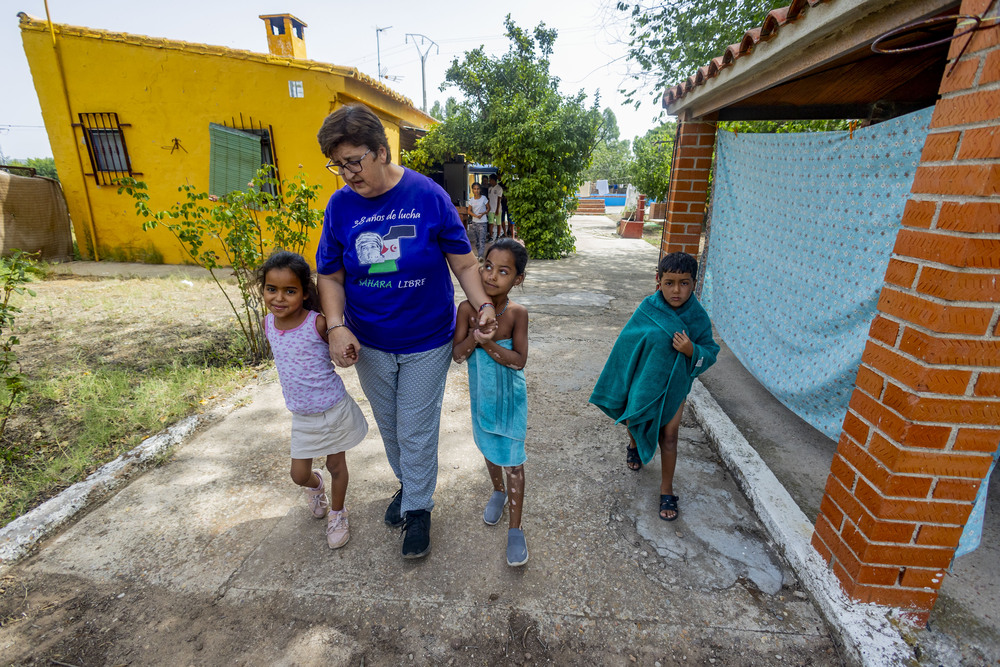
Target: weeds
15, 272
107, 364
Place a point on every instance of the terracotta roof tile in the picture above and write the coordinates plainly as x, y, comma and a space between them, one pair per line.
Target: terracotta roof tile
773, 22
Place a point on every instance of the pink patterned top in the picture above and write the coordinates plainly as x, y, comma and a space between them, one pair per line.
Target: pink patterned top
309, 380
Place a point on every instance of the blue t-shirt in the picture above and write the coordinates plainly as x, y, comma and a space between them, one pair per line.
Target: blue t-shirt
400, 297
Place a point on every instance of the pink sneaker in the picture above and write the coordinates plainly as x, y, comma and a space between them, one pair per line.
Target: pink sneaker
337, 531
316, 498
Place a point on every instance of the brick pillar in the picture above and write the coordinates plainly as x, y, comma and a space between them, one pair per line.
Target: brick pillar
924, 419
689, 175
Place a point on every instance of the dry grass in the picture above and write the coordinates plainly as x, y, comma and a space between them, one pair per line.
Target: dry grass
109, 362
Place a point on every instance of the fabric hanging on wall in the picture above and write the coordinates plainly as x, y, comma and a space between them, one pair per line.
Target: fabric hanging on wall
803, 226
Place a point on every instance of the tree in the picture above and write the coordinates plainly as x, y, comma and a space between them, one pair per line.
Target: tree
611, 157
43, 166
650, 172
514, 117
669, 41
449, 109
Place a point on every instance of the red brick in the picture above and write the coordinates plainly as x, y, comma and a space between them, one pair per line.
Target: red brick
856, 428
959, 286
901, 273
973, 7
919, 213
884, 330
961, 77
687, 196
877, 415
689, 239
916, 577
844, 499
939, 536
686, 219
832, 513
970, 108
976, 440
956, 489
842, 471
940, 147
938, 317
914, 374
690, 175
980, 144
821, 548
923, 462
690, 186
905, 555
846, 580
947, 410
982, 180
684, 163
991, 70
876, 530
958, 351
894, 597
988, 384
972, 217
879, 576
695, 151
838, 547
983, 39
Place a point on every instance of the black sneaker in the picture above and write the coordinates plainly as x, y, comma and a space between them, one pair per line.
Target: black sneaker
417, 531
392, 513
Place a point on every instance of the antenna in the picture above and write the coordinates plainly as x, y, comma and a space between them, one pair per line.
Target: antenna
423, 58
378, 49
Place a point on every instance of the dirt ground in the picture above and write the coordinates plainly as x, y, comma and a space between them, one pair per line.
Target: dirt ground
202, 561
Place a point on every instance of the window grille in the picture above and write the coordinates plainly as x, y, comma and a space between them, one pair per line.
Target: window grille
109, 158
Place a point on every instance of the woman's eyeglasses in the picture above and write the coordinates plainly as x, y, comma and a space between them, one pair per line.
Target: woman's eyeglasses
353, 166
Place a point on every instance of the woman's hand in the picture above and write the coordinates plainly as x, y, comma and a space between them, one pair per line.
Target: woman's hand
487, 324
344, 347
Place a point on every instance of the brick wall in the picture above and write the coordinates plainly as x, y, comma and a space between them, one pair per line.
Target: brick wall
689, 176
924, 418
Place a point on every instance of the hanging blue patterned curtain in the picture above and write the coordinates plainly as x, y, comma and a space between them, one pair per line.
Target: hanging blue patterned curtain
803, 226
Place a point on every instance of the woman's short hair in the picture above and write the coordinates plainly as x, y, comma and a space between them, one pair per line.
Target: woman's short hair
353, 124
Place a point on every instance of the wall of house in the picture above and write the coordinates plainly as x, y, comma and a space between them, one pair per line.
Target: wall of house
167, 93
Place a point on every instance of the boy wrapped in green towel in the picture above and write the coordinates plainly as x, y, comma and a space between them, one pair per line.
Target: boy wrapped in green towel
665, 345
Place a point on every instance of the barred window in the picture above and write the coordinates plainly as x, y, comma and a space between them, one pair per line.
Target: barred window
237, 154
109, 158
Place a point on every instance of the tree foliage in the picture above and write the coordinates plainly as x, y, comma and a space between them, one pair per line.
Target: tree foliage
670, 40
513, 116
611, 158
43, 166
650, 169
16, 270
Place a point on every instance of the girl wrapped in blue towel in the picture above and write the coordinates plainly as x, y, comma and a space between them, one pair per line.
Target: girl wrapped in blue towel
497, 389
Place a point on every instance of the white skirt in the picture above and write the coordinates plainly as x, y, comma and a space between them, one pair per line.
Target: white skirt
338, 429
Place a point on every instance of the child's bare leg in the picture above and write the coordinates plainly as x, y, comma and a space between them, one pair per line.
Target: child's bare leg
302, 473
337, 465
496, 476
515, 491
668, 457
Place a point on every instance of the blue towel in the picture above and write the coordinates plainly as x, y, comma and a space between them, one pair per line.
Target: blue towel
499, 399
645, 379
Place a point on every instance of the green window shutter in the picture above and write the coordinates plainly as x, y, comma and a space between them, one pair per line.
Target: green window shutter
235, 159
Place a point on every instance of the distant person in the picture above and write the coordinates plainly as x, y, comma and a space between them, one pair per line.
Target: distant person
497, 390
391, 313
495, 193
325, 419
671, 336
505, 228
479, 208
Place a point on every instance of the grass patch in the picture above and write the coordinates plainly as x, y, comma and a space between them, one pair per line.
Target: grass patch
109, 363
652, 233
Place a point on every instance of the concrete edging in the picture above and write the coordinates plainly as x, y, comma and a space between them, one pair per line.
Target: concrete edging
20, 535
865, 629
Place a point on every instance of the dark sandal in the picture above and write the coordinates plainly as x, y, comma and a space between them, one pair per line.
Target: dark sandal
669, 503
632, 458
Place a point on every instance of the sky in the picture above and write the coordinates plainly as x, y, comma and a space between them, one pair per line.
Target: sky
589, 52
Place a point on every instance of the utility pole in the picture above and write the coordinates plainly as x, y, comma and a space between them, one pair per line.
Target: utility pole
378, 50
423, 59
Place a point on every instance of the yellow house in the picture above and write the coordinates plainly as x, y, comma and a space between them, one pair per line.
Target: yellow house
172, 113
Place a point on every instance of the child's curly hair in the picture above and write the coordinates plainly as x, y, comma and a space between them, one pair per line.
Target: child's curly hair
294, 262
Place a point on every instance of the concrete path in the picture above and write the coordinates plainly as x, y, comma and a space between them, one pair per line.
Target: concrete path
213, 558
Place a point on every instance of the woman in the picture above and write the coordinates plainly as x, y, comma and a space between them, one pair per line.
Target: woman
389, 237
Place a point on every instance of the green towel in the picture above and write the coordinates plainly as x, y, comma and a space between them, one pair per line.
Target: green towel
645, 379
